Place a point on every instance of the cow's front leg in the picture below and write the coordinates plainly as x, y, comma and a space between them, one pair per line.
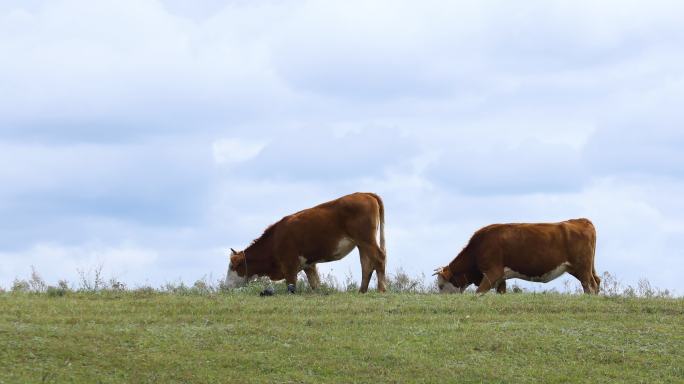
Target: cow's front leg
490, 280
290, 266
291, 272
501, 288
312, 276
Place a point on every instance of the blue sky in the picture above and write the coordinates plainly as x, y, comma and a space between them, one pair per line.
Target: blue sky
150, 136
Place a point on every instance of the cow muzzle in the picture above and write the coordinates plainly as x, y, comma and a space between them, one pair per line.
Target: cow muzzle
446, 286
233, 280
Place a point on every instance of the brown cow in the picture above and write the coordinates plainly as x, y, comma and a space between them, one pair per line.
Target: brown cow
326, 232
533, 252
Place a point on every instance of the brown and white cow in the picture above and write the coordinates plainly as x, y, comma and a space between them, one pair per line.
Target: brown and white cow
326, 232
534, 252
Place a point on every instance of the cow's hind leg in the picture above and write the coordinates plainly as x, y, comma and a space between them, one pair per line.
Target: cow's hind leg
379, 265
589, 285
597, 280
366, 267
371, 260
366, 271
380, 272
363, 230
587, 279
312, 276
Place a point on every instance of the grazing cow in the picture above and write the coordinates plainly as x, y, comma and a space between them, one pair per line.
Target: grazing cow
326, 232
533, 252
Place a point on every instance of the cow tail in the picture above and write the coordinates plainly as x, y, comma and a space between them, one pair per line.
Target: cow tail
593, 256
381, 207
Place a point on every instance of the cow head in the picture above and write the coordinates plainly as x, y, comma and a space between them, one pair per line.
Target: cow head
237, 269
448, 283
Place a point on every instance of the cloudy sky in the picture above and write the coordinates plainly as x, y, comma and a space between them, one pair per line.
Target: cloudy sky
149, 136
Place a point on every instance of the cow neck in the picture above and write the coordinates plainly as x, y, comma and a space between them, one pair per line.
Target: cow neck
462, 264
259, 252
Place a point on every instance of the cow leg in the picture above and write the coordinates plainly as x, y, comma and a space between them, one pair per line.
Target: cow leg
291, 283
364, 232
380, 273
490, 279
594, 285
501, 288
372, 259
366, 271
367, 266
378, 265
587, 279
312, 276
597, 280
587, 285
290, 270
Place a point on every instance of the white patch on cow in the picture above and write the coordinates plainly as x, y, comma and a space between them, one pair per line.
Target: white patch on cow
545, 278
446, 286
303, 262
345, 246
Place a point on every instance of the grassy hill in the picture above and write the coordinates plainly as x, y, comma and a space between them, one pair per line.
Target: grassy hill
147, 336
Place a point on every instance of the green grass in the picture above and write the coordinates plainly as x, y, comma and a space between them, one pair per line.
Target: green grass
143, 337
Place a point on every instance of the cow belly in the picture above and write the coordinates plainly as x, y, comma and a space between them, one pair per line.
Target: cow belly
342, 249
545, 278
344, 246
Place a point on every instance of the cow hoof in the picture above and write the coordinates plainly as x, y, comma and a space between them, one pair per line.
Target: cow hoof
291, 288
267, 292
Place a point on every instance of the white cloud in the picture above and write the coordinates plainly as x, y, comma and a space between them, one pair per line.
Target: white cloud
54, 262
229, 151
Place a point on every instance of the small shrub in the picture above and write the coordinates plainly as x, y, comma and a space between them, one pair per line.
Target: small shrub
222, 287
629, 292
91, 280
572, 286
400, 281
178, 288
56, 291
610, 286
350, 285
20, 286
116, 285
302, 284
644, 288
36, 283
199, 287
329, 284
144, 291
202, 287
63, 284
257, 285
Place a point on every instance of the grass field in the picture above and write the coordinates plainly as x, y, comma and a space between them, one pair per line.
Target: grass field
147, 336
